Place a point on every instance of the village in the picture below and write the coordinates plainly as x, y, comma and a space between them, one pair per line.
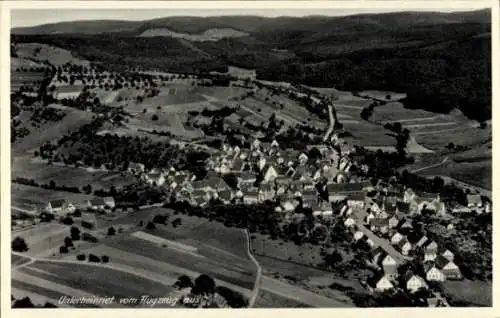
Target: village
328, 184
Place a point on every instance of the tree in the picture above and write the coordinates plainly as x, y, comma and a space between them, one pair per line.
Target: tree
154, 117
23, 303
176, 222
68, 242
75, 233
93, 258
63, 249
183, 282
450, 146
68, 220
19, 245
233, 298
141, 223
52, 184
105, 259
150, 226
203, 285
111, 231
80, 257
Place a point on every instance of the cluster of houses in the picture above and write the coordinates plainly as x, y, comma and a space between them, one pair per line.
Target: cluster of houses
62, 207
384, 224
264, 172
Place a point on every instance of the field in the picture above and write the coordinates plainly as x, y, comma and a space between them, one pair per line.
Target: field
42, 173
382, 95
208, 35
72, 279
35, 195
73, 120
55, 55
270, 300
476, 173
469, 293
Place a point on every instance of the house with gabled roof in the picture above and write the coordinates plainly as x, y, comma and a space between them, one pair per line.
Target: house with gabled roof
403, 208
246, 179
288, 205
266, 192
474, 201
446, 253
379, 283
430, 250
60, 206
397, 238
269, 173
379, 225
237, 165
448, 268
356, 200
309, 197
396, 219
349, 222
432, 273
415, 283
405, 247
250, 196
340, 191
97, 204
155, 178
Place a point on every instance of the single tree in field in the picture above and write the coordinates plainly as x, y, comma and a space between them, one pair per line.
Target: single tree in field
63, 249
19, 245
203, 285
75, 233
183, 282
68, 242
111, 231
150, 226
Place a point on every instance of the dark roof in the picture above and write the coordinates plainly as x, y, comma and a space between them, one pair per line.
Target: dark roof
441, 249
402, 242
356, 196
403, 207
97, 201
345, 187
237, 164
225, 195
59, 203
373, 280
379, 222
441, 261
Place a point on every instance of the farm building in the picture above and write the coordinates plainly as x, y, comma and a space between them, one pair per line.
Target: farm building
68, 92
340, 191
60, 207
474, 201
449, 269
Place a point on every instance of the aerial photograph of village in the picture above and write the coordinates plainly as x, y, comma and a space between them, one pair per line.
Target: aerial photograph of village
321, 159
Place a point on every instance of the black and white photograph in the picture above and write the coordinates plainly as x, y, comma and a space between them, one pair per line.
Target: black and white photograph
260, 157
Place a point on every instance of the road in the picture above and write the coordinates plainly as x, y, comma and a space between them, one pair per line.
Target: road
258, 278
301, 295
445, 160
385, 244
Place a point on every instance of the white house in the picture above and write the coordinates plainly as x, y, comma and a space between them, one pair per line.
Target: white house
380, 283
358, 235
349, 222
434, 275
397, 238
270, 173
389, 266
415, 283
60, 207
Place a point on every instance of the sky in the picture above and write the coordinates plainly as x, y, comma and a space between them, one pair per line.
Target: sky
30, 17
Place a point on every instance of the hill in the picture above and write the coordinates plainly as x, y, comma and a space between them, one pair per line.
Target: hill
441, 60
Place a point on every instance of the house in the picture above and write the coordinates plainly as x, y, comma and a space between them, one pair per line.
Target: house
415, 283
390, 266
250, 196
356, 201
422, 241
430, 250
269, 173
446, 253
301, 174
433, 274
474, 201
405, 247
96, 204
397, 238
340, 191
409, 196
309, 197
380, 283
402, 208
349, 222
379, 224
358, 235
246, 180
266, 192
396, 219
449, 269
155, 178
68, 92
225, 196
178, 181
136, 168
60, 207
303, 158
289, 205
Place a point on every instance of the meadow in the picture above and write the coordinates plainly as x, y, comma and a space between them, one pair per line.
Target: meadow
55, 55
